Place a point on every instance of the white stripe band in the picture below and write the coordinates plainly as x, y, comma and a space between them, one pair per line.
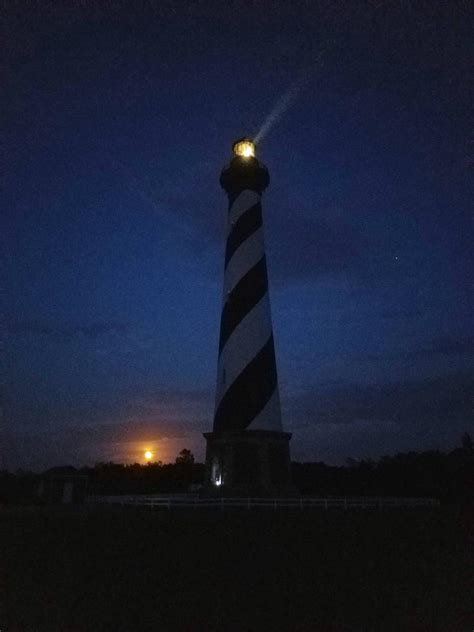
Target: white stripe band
242, 203
244, 258
245, 342
270, 417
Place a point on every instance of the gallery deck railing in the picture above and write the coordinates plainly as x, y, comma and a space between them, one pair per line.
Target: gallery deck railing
195, 502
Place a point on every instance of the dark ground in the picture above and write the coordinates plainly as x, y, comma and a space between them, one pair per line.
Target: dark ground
127, 570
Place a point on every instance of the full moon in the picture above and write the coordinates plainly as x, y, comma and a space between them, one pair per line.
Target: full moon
148, 455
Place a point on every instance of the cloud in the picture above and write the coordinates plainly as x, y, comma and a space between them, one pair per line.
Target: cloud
436, 400
65, 333
332, 422
362, 315
164, 421
123, 442
401, 314
449, 346
440, 346
329, 422
362, 439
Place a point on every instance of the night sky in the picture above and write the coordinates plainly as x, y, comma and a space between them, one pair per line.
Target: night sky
117, 119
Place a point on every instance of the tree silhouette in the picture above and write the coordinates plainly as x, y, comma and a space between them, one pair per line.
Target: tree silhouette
185, 457
466, 443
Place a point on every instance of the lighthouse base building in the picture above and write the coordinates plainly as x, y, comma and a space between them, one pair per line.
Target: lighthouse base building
248, 463
248, 451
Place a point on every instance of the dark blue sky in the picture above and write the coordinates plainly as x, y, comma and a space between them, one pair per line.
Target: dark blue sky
117, 121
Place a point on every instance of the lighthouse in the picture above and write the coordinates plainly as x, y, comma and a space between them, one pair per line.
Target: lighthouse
247, 451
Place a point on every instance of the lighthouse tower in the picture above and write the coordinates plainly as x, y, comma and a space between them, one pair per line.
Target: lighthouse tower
247, 452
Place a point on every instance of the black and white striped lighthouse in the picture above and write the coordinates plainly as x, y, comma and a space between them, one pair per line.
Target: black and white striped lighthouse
247, 452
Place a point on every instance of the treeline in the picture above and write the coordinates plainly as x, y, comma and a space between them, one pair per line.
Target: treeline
110, 478
448, 477
152, 478
435, 474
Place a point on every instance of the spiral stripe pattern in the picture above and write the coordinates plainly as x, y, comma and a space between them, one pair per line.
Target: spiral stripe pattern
247, 389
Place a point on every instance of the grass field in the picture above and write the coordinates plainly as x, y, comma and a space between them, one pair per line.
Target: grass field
127, 570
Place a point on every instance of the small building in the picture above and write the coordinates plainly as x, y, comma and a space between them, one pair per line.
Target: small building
63, 485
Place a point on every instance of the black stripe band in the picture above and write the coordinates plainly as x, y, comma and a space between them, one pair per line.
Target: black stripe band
250, 392
246, 225
242, 299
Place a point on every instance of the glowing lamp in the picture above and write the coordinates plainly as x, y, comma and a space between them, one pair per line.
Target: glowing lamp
244, 148
216, 474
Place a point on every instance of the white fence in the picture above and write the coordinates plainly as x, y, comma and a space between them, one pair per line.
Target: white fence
195, 502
